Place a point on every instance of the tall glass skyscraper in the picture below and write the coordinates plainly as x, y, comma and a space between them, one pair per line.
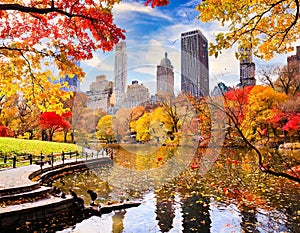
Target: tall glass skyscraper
194, 64
73, 82
120, 73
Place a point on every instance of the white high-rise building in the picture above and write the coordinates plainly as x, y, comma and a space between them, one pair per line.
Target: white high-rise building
120, 73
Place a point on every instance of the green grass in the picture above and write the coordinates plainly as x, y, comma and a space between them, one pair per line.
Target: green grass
13, 146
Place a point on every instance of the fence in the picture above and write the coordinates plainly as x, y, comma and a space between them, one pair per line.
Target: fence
50, 159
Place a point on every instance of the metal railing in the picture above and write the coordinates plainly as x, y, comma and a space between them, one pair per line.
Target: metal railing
43, 159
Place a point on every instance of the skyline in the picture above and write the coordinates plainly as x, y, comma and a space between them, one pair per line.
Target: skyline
150, 32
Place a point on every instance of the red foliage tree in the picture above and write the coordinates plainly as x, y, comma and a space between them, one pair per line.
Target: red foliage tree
5, 132
293, 122
155, 3
236, 101
53, 122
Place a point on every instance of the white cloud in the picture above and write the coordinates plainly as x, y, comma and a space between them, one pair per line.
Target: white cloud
100, 63
123, 9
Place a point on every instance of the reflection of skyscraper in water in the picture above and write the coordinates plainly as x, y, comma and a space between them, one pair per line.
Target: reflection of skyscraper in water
165, 211
194, 64
196, 217
165, 78
73, 82
120, 72
249, 221
247, 68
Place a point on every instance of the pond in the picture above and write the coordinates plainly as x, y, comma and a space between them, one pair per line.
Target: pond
188, 191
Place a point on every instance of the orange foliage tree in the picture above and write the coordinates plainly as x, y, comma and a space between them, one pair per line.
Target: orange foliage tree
38, 37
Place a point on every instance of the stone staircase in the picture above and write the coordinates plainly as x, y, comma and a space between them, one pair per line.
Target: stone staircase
24, 198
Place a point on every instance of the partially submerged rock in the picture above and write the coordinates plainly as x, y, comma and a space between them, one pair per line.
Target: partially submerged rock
290, 146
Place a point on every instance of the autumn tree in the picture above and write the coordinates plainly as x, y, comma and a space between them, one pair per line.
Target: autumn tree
105, 129
38, 37
136, 113
9, 112
121, 123
53, 122
5, 131
261, 106
242, 121
266, 27
280, 79
142, 127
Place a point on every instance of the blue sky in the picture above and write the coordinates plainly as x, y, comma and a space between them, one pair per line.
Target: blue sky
152, 32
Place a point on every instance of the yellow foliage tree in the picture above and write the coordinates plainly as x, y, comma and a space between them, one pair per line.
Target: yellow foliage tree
104, 128
261, 106
142, 126
267, 27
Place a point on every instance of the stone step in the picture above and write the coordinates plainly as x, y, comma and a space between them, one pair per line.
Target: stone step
26, 196
19, 189
12, 217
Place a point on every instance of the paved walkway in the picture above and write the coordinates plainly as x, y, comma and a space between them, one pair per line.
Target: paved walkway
16, 177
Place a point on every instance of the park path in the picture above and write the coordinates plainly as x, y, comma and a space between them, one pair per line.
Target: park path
17, 177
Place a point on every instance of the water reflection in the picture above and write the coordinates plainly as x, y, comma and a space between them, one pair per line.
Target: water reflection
165, 210
232, 197
117, 219
196, 217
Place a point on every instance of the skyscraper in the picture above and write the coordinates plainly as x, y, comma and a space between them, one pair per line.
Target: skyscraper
120, 73
73, 82
247, 68
194, 64
165, 78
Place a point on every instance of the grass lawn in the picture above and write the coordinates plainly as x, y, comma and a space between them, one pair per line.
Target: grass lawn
13, 146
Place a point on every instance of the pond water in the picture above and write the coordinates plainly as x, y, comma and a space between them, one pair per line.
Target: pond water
182, 193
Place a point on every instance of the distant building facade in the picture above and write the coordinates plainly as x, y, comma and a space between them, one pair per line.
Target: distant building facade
293, 64
120, 73
165, 78
194, 63
100, 93
219, 90
136, 94
247, 68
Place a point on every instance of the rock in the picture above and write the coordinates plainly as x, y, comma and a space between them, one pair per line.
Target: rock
290, 146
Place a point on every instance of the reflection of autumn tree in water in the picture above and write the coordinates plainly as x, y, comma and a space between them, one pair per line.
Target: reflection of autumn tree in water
117, 219
196, 217
165, 210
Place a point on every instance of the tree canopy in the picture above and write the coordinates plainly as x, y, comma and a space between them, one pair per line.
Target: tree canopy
38, 37
266, 27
